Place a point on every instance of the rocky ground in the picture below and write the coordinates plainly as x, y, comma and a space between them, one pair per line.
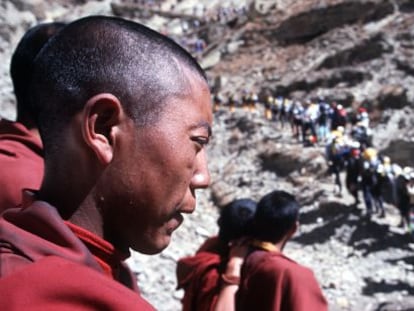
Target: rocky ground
355, 52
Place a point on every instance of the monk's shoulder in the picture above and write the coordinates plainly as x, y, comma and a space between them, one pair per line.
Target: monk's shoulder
54, 283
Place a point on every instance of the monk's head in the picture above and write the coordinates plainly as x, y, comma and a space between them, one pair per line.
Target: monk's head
21, 67
276, 217
124, 114
235, 219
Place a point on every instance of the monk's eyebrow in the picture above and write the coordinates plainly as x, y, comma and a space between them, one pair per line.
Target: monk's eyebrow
205, 125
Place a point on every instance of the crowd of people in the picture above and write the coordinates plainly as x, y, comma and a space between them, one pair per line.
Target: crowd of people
311, 120
373, 175
347, 138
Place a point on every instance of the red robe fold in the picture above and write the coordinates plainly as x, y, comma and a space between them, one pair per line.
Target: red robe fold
21, 163
271, 281
46, 264
199, 276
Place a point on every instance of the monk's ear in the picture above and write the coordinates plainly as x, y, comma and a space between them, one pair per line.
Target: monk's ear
102, 116
294, 229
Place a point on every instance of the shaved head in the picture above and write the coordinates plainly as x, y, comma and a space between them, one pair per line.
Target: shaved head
22, 63
99, 54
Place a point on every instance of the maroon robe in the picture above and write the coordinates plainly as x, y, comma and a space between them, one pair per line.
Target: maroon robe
199, 276
21, 162
47, 264
271, 281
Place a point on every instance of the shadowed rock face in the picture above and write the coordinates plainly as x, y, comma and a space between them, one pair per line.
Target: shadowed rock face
345, 77
401, 152
308, 25
394, 97
365, 51
405, 66
279, 163
406, 6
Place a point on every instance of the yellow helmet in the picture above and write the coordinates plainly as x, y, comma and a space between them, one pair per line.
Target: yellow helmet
336, 134
369, 153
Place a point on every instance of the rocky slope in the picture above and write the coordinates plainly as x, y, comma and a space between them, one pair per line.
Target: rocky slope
354, 52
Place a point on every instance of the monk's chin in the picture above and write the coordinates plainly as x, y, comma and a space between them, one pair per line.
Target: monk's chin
157, 246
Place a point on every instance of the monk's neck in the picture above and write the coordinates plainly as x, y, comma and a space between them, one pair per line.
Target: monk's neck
88, 217
269, 246
72, 205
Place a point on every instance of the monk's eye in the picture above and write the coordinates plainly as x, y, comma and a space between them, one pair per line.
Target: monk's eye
201, 140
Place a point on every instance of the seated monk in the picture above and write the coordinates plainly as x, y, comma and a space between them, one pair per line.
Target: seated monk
124, 115
21, 152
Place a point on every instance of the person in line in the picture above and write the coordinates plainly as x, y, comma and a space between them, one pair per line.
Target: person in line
21, 150
323, 119
339, 117
245, 100
336, 152
269, 279
217, 102
296, 118
352, 169
254, 102
285, 111
200, 275
115, 99
382, 178
369, 179
402, 185
268, 104
410, 191
232, 103
309, 117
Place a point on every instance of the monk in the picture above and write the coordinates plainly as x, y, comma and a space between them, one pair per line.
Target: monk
124, 116
201, 275
271, 281
21, 154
